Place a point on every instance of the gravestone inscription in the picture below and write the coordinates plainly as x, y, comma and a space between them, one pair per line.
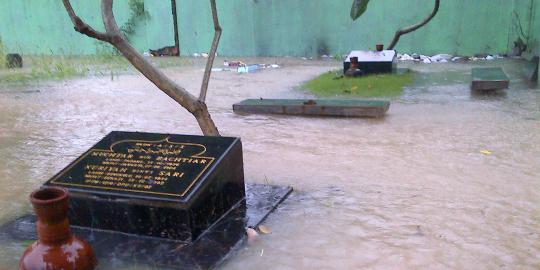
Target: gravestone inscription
161, 185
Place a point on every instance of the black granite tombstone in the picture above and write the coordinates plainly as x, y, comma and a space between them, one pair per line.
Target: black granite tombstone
159, 185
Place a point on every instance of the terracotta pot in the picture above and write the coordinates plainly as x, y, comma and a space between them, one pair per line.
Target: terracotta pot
379, 47
56, 248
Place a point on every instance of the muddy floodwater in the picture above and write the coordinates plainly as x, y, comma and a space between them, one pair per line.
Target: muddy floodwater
447, 180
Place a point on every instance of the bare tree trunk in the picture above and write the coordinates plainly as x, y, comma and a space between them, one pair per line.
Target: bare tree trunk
175, 25
412, 28
213, 50
113, 36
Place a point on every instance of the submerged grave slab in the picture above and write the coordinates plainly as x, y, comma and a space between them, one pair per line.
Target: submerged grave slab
318, 107
490, 78
116, 250
373, 62
158, 185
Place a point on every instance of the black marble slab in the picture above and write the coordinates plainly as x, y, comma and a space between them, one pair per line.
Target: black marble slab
159, 185
116, 250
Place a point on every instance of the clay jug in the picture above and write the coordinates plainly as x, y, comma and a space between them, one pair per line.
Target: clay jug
56, 248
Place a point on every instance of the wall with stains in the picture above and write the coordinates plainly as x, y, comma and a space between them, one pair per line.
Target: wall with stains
278, 27
535, 29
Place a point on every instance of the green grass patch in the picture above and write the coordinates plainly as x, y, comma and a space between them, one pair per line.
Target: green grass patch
46, 67
40, 68
380, 85
2, 54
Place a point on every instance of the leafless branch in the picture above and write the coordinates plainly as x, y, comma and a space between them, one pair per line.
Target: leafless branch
213, 50
83, 28
412, 28
109, 21
114, 37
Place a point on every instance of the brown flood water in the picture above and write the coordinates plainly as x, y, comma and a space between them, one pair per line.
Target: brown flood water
410, 191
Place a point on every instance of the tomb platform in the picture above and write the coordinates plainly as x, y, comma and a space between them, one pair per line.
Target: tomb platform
373, 62
316, 107
490, 78
116, 250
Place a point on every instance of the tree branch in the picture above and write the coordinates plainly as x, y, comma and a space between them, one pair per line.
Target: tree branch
205, 121
111, 27
175, 25
83, 28
158, 78
412, 28
213, 50
114, 36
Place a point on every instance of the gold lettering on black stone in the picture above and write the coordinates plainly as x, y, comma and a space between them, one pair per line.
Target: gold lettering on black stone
161, 167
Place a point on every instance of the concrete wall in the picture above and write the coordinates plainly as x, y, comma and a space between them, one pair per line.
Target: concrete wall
43, 27
535, 29
277, 27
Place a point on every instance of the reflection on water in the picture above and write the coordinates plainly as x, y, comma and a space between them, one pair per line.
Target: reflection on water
410, 191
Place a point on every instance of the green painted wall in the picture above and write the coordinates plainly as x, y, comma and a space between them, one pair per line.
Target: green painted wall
277, 27
43, 27
461, 27
535, 29
197, 29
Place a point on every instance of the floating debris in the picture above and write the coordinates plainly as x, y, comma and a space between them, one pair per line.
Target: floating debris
243, 68
248, 69
405, 57
165, 51
228, 63
445, 58
264, 230
441, 57
486, 152
252, 235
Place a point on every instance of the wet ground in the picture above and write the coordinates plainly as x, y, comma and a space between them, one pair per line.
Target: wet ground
447, 180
